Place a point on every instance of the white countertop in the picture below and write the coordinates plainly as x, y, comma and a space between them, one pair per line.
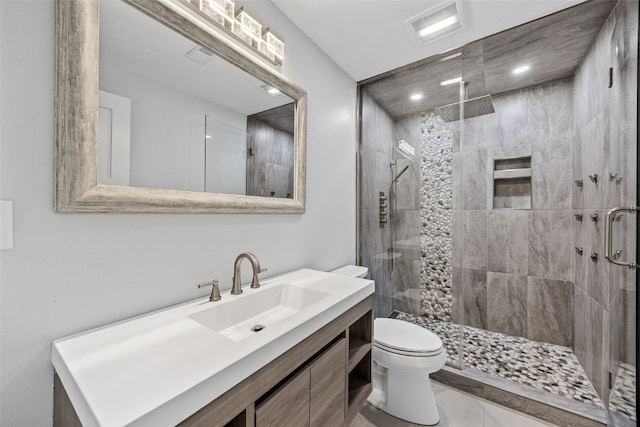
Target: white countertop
157, 369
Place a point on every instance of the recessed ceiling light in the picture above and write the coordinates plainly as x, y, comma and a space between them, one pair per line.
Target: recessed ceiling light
270, 90
451, 81
521, 69
416, 97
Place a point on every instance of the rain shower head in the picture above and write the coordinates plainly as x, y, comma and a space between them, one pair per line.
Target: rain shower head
472, 108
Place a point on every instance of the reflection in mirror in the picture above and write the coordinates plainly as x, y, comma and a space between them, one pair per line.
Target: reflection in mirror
175, 116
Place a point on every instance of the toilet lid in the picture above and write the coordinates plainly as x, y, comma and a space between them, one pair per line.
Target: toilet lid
406, 338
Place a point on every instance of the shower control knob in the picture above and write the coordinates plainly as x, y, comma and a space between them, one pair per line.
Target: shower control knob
579, 250
594, 217
593, 256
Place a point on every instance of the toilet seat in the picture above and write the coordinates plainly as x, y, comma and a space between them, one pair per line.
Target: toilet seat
404, 338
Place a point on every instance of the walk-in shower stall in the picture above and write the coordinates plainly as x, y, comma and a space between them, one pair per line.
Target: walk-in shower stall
486, 175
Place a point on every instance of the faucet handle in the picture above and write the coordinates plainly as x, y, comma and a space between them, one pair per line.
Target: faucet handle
215, 289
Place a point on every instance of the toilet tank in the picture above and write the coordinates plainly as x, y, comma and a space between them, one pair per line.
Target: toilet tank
352, 271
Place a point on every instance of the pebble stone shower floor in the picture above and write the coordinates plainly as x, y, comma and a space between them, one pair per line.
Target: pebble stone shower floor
544, 366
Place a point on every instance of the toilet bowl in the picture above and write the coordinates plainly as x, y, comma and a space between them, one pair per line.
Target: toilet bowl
404, 355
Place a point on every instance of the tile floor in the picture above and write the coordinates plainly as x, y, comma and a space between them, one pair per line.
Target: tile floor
548, 367
457, 409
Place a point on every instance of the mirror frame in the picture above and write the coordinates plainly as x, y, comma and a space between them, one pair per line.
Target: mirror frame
76, 121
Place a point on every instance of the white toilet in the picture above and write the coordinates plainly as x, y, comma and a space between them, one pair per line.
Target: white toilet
404, 355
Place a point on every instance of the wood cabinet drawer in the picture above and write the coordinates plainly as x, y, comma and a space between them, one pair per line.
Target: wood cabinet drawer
328, 385
288, 406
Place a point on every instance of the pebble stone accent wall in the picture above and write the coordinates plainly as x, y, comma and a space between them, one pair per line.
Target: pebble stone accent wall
549, 367
436, 199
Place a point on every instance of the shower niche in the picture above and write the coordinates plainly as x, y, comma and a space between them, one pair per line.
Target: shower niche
511, 183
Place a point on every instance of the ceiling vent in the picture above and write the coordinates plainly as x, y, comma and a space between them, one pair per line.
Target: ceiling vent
200, 54
436, 22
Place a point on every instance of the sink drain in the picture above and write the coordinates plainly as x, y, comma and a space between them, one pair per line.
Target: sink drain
257, 328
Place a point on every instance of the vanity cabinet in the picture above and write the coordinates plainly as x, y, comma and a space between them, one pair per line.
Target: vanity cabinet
315, 396
322, 381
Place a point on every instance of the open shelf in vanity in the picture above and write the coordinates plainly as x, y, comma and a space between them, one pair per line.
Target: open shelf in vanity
359, 337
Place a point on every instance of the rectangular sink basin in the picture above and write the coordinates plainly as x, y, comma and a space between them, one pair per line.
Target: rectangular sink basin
252, 313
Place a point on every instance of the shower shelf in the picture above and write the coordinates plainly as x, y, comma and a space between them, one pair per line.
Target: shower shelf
512, 173
512, 183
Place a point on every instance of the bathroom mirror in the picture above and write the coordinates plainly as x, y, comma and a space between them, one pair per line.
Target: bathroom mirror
190, 120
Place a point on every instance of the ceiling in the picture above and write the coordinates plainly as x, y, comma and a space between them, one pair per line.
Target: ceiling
133, 41
369, 37
552, 46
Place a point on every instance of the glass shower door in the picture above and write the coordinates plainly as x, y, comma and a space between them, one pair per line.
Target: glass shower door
621, 226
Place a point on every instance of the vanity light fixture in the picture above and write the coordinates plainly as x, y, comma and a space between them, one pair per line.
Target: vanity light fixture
434, 23
248, 28
273, 44
451, 81
521, 69
416, 97
221, 11
241, 25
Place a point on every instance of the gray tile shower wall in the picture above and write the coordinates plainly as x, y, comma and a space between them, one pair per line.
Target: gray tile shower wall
406, 278
270, 171
377, 154
516, 261
604, 144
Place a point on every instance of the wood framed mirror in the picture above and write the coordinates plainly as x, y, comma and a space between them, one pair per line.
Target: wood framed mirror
79, 187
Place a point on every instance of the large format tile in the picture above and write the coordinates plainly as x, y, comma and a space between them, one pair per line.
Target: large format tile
595, 160
474, 240
550, 111
474, 180
581, 320
457, 408
595, 368
551, 176
628, 334
509, 124
549, 316
507, 241
507, 303
596, 267
580, 248
550, 244
474, 294
577, 191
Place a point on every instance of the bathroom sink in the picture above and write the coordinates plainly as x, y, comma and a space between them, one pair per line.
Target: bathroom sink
248, 315
160, 367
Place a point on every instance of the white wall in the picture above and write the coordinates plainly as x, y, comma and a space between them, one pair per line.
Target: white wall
162, 120
68, 273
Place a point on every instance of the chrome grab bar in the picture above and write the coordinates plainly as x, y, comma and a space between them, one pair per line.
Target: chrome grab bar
608, 238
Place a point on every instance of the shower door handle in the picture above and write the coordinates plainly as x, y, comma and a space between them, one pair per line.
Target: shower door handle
608, 237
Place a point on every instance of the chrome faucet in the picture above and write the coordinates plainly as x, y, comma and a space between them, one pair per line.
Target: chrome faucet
236, 289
